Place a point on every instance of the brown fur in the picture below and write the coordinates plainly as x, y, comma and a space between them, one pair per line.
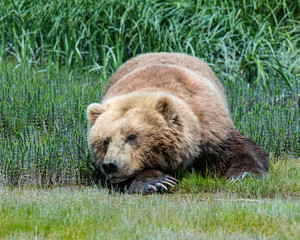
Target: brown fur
175, 109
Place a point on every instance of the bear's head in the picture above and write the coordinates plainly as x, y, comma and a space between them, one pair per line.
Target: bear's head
134, 132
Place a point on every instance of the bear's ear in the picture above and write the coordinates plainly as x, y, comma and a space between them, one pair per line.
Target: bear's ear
93, 111
166, 105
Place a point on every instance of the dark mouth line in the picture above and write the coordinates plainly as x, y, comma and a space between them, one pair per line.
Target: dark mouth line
117, 179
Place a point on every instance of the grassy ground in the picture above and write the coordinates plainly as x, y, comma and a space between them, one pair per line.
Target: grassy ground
264, 208
55, 58
281, 181
88, 213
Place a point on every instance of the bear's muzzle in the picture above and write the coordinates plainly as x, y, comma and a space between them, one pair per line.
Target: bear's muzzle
110, 165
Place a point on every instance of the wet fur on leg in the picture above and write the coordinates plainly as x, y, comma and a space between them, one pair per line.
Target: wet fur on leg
234, 156
146, 182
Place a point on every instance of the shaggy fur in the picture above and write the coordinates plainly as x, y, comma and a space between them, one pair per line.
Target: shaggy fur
162, 113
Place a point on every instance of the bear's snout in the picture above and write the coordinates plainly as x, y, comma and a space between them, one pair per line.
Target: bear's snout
110, 165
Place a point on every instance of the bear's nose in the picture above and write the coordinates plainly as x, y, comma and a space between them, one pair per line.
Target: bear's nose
110, 165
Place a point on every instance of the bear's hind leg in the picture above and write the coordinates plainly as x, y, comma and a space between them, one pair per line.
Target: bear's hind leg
246, 158
151, 181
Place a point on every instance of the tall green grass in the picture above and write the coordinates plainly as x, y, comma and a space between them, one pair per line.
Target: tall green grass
44, 128
56, 56
257, 41
43, 125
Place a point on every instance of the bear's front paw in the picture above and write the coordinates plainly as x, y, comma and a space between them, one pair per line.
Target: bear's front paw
150, 185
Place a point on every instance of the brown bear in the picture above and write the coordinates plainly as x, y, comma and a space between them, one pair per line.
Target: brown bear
164, 113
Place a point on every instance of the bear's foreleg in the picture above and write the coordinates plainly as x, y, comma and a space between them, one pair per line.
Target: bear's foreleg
151, 181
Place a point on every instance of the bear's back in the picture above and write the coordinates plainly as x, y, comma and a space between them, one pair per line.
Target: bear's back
176, 59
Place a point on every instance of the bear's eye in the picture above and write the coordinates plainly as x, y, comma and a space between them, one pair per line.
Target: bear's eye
105, 143
131, 138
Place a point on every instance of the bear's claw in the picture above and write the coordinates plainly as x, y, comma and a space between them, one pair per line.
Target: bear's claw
168, 183
161, 187
152, 188
240, 177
